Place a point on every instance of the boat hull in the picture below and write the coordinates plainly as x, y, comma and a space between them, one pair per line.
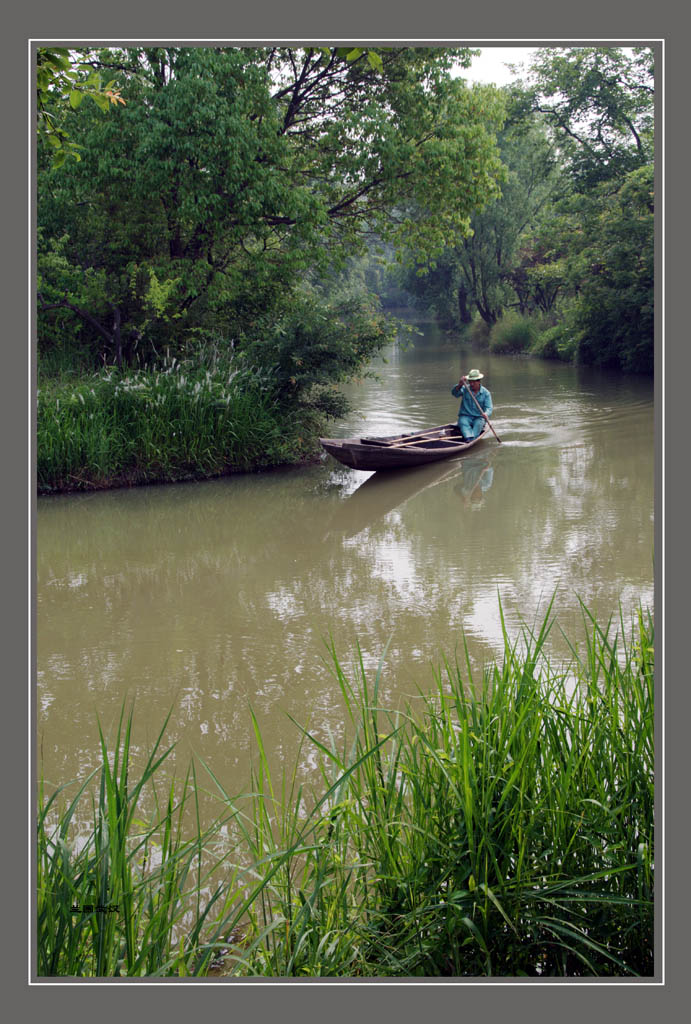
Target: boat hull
400, 451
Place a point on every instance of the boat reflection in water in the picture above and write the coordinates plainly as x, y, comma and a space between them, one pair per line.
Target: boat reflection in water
381, 493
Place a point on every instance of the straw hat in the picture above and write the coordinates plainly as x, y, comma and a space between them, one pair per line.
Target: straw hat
475, 375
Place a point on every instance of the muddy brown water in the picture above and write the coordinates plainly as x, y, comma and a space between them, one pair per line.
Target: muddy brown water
205, 599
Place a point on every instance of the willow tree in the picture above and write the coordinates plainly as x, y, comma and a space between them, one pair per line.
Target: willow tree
228, 173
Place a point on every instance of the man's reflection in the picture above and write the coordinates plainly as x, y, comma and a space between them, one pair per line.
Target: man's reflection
476, 480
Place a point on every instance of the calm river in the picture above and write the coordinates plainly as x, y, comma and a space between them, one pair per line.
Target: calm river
212, 597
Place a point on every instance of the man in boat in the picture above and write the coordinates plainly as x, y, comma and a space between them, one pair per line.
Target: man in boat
471, 419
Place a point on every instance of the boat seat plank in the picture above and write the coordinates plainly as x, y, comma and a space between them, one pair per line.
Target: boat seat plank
403, 441
430, 434
428, 441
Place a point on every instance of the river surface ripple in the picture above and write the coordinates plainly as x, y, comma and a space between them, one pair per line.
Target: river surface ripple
212, 597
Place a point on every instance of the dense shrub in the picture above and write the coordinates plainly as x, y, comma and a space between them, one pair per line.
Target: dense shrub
260, 400
511, 334
555, 342
614, 314
314, 346
478, 334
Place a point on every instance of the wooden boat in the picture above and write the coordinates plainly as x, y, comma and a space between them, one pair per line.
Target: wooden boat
400, 451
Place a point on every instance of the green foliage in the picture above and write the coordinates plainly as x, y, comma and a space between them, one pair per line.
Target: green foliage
572, 236
232, 173
216, 410
614, 315
504, 828
376, 272
128, 896
540, 276
478, 333
437, 287
477, 270
600, 242
512, 334
599, 101
314, 347
182, 421
62, 82
556, 342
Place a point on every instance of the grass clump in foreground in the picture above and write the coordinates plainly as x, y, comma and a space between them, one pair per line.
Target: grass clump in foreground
129, 897
503, 829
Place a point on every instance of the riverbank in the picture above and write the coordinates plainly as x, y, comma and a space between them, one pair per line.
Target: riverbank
550, 338
182, 422
502, 826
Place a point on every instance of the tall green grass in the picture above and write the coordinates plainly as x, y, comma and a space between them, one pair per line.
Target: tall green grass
502, 828
185, 420
129, 896
495, 826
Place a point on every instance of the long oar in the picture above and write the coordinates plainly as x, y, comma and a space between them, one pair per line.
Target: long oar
482, 411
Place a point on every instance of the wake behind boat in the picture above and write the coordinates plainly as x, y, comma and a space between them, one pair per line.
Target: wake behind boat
400, 451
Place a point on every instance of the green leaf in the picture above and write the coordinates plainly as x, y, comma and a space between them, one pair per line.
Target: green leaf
100, 101
76, 98
374, 60
61, 62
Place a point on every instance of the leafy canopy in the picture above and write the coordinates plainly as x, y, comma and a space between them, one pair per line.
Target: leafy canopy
232, 172
62, 82
599, 100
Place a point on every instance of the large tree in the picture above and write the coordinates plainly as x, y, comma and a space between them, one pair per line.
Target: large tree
613, 268
600, 104
572, 236
232, 171
477, 270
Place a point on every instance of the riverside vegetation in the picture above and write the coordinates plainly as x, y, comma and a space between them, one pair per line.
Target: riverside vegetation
222, 193
501, 826
211, 411
180, 422
561, 266
262, 203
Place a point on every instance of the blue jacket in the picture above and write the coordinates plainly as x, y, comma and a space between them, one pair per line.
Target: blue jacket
468, 406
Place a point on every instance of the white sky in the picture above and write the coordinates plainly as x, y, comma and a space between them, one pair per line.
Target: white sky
489, 67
